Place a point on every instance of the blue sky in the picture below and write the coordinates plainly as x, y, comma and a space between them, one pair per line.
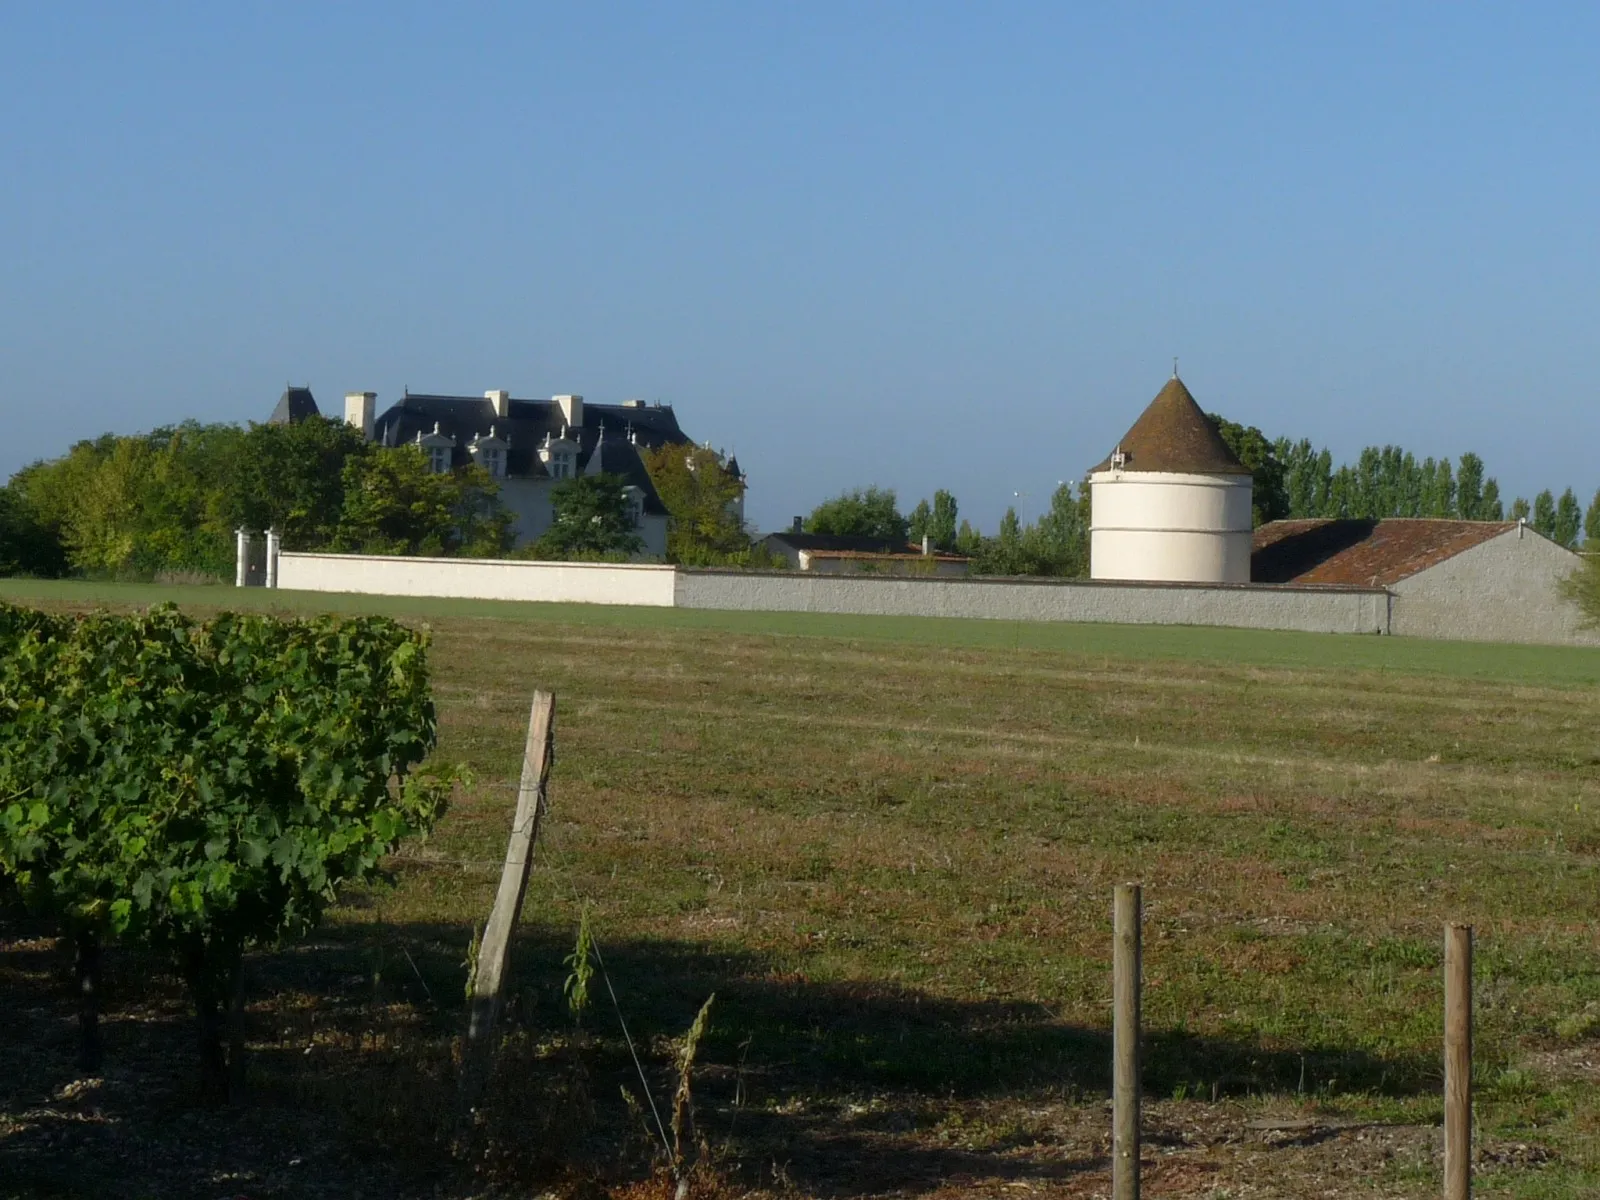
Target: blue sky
917, 245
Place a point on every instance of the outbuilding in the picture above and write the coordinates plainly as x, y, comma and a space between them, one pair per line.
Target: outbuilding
1493, 581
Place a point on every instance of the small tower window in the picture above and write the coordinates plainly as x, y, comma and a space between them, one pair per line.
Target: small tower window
439, 459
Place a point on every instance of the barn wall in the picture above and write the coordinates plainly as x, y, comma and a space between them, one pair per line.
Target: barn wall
1243, 606
478, 578
1503, 590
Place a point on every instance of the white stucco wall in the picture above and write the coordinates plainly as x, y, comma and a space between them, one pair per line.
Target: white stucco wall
1150, 525
1330, 610
1504, 590
478, 578
528, 501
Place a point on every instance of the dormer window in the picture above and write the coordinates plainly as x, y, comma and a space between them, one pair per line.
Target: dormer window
490, 453
560, 456
437, 448
633, 499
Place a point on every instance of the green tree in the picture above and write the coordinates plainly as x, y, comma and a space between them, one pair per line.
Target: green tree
393, 504
591, 520
864, 512
1591, 525
1490, 508
292, 478
27, 545
1519, 509
1062, 534
1269, 496
702, 498
918, 524
1544, 514
942, 529
1469, 488
1568, 520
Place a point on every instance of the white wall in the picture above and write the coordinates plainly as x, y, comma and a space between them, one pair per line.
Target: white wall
478, 578
1151, 525
1504, 590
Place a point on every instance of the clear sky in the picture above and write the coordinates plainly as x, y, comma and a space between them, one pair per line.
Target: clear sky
917, 245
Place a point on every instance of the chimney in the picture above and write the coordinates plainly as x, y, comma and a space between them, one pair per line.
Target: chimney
571, 410
501, 400
799, 525
927, 544
360, 410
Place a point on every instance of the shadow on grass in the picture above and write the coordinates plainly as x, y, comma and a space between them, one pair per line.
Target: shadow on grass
839, 1088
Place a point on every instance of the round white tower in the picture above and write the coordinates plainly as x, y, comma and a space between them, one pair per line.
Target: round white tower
1171, 503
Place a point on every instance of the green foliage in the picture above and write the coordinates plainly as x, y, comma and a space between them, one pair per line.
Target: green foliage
1582, 587
171, 499
936, 522
580, 970
27, 545
1568, 520
591, 519
863, 512
1544, 514
394, 504
197, 788
292, 478
1270, 497
703, 501
1591, 524
1056, 545
1519, 509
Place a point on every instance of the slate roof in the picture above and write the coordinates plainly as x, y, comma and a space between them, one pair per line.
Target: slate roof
1174, 436
525, 427
1361, 553
295, 405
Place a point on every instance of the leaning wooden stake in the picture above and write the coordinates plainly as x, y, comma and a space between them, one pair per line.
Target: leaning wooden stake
1457, 1062
494, 949
1125, 1045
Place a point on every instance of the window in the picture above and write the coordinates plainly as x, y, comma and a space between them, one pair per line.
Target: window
493, 461
560, 466
439, 459
634, 499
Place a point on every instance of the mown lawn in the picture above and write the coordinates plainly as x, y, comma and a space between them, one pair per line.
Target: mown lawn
889, 848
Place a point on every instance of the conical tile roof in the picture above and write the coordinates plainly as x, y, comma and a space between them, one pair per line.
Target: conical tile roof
1173, 436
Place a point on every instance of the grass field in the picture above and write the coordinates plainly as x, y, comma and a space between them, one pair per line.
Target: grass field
888, 846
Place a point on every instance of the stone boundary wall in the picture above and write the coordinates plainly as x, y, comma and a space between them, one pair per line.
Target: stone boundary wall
1503, 591
1242, 606
478, 578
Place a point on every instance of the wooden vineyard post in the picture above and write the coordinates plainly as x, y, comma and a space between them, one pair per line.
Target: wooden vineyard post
1457, 1062
494, 949
1125, 1044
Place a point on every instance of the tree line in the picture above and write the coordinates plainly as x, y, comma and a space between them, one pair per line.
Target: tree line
167, 502
1294, 479
1291, 479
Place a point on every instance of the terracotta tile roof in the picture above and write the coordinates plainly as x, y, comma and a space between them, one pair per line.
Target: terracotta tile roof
1361, 553
1174, 436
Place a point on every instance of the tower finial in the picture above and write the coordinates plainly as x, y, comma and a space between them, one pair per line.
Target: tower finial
1174, 366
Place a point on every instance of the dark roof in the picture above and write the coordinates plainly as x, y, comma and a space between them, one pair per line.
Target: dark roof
1174, 436
1361, 553
295, 405
840, 542
620, 431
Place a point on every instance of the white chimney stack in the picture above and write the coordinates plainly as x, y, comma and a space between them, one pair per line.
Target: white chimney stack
361, 410
571, 410
501, 400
